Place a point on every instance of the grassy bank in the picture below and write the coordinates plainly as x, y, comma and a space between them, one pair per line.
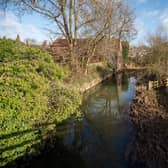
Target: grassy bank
97, 72
33, 99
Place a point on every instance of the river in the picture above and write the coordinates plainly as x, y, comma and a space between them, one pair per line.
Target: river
103, 137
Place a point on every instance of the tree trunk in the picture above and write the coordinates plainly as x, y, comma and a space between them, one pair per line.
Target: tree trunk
119, 57
90, 55
71, 54
75, 22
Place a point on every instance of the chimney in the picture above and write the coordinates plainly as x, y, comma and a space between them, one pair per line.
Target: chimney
27, 42
18, 38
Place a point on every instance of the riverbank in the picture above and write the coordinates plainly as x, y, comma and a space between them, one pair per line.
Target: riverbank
150, 119
97, 73
93, 82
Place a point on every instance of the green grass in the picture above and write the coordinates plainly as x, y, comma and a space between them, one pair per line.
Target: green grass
95, 71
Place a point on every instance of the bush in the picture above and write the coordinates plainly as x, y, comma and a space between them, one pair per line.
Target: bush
29, 104
60, 98
125, 52
9, 50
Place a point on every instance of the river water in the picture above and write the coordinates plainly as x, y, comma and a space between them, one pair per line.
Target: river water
103, 138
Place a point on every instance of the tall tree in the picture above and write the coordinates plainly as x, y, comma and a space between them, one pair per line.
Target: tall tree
64, 13
92, 19
123, 28
156, 58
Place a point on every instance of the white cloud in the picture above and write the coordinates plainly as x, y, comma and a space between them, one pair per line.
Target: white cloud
153, 13
149, 22
165, 23
10, 26
164, 19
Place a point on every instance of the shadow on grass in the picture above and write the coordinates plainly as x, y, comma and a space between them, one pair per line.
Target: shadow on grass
30, 148
34, 128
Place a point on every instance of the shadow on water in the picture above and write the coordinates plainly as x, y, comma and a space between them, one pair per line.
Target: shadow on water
59, 156
106, 130
103, 138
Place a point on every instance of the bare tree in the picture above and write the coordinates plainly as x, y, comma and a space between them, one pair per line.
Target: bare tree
94, 20
95, 29
123, 28
64, 13
156, 58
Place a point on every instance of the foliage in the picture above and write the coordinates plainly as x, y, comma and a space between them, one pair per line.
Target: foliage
125, 51
60, 98
29, 104
158, 61
96, 21
156, 58
8, 48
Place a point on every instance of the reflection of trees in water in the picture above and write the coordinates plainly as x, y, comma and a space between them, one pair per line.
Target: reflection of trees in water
103, 132
119, 90
105, 102
95, 142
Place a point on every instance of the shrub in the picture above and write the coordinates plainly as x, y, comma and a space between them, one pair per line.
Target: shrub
63, 101
125, 52
9, 50
27, 109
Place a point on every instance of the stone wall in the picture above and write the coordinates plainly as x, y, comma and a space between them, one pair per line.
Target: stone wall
93, 83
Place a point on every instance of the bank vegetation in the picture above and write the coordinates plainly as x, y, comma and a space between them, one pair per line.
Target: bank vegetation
33, 98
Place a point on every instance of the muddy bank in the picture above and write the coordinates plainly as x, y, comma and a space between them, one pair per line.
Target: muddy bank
150, 119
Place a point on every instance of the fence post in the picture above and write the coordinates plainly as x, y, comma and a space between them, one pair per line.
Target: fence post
155, 84
150, 85
167, 82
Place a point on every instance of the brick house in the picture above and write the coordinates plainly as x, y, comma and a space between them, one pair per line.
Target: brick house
59, 49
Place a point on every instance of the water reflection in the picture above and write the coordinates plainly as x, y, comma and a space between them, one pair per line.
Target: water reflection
102, 137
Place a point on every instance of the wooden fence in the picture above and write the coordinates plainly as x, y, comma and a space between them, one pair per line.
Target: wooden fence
157, 84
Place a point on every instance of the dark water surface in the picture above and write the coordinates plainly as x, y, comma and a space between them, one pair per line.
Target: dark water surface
103, 138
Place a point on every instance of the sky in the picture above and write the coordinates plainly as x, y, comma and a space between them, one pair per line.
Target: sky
150, 14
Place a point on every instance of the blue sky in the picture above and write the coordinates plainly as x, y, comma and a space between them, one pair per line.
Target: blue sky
28, 26
150, 14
